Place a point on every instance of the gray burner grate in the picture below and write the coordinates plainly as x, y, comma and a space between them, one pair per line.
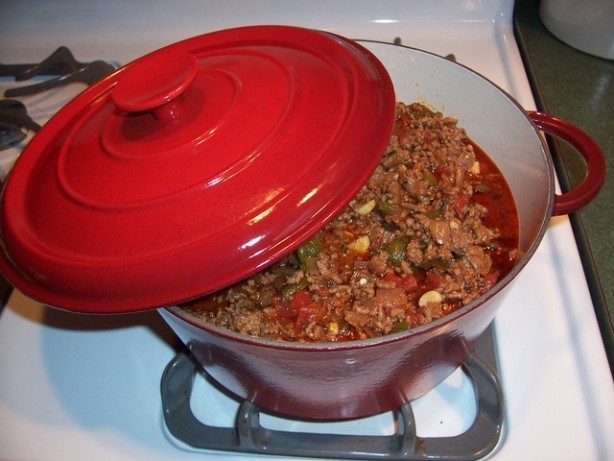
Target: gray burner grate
249, 436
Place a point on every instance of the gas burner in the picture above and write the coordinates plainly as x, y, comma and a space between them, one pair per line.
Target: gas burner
250, 436
14, 119
62, 66
60, 63
10, 136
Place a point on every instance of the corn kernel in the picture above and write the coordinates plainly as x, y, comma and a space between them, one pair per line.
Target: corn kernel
430, 297
333, 327
366, 208
360, 245
475, 168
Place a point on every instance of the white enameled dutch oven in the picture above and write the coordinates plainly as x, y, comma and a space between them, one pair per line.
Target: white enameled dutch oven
177, 176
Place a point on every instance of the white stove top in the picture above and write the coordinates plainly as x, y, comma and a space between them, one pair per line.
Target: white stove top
87, 387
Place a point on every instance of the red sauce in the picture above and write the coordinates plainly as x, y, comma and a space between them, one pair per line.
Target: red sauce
494, 193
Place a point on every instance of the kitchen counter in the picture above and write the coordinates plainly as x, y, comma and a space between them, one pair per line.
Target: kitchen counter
579, 88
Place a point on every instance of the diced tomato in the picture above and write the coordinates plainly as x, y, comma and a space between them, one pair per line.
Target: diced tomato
393, 278
314, 311
460, 205
490, 279
301, 299
306, 308
450, 307
427, 135
415, 320
207, 304
283, 308
432, 280
441, 171
408, 282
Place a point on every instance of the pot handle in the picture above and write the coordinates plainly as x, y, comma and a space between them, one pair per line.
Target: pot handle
569, 202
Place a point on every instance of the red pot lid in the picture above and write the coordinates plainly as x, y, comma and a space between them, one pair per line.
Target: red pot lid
193, 167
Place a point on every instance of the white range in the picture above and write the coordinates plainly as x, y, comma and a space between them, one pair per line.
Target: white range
76, 387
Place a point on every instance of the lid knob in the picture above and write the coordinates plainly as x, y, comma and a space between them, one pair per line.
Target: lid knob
155, 84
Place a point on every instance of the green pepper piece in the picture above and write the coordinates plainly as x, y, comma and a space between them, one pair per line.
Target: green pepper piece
289, 290
344, 326
492, 245
293, 260
396, 250
430, 179
309, 249
435, 263
419, 111
481, 189
389, 208
400, 326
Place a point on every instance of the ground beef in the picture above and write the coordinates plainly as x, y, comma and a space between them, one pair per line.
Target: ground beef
416, 243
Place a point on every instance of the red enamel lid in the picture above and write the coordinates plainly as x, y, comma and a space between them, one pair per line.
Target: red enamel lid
192, 168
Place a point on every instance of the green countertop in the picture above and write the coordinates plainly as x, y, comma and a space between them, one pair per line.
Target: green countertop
579, 88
